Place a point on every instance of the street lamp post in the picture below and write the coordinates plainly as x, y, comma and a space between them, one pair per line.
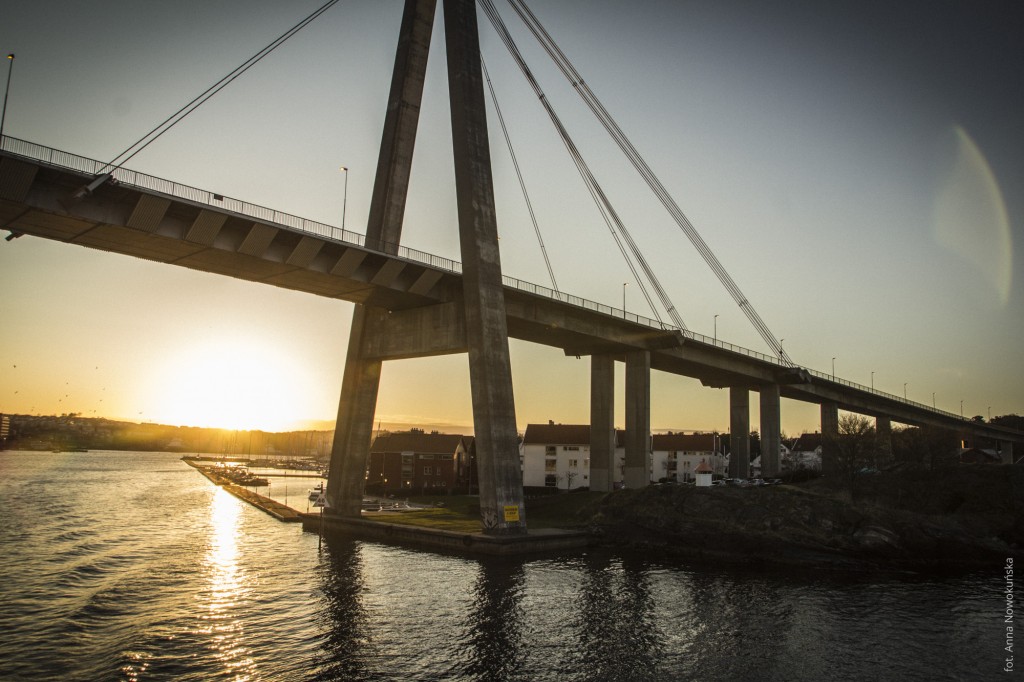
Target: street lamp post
624, 284
933, 400
872, 381
833, 369
344, 201
716, 328
10, 68
904, 390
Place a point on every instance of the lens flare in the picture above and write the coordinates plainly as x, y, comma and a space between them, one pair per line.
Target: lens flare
970, 216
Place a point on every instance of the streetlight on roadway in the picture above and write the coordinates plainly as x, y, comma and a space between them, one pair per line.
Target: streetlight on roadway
624, 284
833, 369
872, 381
716, 328
904, 390
344, 201
10, 67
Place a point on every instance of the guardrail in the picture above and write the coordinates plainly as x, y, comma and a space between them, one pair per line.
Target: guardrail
91, 167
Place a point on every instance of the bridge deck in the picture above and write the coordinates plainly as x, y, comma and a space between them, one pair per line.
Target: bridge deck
41, 194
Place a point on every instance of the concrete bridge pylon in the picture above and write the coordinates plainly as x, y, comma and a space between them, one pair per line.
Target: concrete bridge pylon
483, 302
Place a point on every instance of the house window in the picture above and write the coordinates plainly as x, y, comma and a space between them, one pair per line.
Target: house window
426, 457
550, 465
574, 462
549, 450
574, 448
426, 471
551, 481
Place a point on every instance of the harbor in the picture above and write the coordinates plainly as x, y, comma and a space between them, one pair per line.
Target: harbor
382, 520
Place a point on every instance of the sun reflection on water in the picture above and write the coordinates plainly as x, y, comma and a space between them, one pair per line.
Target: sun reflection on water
225, 590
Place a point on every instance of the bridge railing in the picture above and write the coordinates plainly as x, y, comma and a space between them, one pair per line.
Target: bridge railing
125, 176
91, 167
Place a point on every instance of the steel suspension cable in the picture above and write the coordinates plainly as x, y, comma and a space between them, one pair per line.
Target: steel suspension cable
519, 174
609, 123
608, 212
200, 99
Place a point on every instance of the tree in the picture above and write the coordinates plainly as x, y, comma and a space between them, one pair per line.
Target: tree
855, 446
1010, 421
928, 445
755, 444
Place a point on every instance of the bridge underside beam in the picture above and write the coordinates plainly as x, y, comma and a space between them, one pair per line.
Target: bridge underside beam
37, 199
417, 333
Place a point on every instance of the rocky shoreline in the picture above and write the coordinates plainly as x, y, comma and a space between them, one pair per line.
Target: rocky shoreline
905, 520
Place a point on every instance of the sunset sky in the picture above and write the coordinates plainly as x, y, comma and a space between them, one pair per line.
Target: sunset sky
858, 167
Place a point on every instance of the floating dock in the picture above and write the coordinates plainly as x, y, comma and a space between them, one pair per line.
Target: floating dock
535, 541
279, 511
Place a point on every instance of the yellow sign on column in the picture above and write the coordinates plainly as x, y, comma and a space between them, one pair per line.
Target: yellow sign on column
511, 513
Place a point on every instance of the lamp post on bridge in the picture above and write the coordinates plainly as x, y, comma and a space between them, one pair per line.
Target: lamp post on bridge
10, 68
833, 369
933, 401
904, 390
344, 200
716, 328
624, 284
872, 381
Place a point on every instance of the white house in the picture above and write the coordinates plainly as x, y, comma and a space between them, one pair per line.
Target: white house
804, 453
676, 456
558, 456
704, 475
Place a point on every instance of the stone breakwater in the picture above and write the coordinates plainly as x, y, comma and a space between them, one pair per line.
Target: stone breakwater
789, 525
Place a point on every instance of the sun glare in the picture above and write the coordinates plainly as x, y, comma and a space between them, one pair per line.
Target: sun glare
236, 384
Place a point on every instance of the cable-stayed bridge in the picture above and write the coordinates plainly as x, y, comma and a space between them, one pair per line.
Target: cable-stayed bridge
415, 304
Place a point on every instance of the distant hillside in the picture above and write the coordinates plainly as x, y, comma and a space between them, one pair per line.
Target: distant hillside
71, 431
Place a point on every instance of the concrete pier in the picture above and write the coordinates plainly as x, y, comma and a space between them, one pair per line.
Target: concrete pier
602, 422
883, 441
490, 368
739, 432
530, 542
770, 430
638, 419
829, 438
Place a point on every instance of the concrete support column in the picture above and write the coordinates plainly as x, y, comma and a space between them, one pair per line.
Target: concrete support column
602, 422
883, 442
361, 380
771, 430
638, 419
1006, 448
829, 439
490, 369
739, 432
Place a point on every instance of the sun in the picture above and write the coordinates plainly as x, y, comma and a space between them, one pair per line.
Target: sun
234, 383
